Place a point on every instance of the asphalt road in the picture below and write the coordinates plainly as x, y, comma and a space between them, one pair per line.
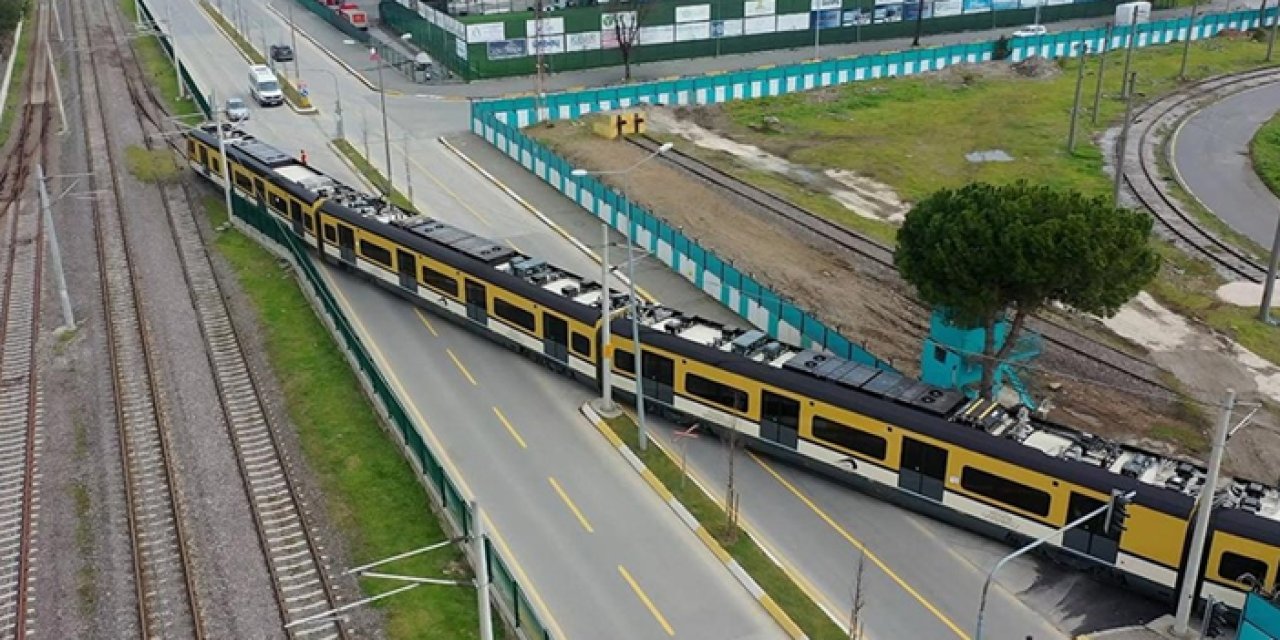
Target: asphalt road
1211, 154
929, 574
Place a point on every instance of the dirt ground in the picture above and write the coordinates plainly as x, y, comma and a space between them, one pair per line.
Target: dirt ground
871, 304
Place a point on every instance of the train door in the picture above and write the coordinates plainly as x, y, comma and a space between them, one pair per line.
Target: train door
659, 378
780, 420
347, 244
923, 469
407, 267
1091, 537
555, 338
295, 215
477, 306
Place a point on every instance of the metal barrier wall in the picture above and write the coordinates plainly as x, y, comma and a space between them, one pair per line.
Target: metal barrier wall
499, 122
252, 218
332, 17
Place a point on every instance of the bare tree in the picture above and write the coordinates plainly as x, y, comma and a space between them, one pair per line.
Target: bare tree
855, 610
626, 27
731, 494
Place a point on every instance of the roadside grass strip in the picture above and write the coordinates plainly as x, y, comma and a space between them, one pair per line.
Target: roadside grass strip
789, 605
14, 99
372, 174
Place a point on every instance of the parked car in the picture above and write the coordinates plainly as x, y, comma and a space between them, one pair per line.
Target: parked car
1030, 31
237, 110
282, 53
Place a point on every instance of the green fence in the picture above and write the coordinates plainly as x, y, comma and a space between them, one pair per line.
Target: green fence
509, 55
511, 598
332, 17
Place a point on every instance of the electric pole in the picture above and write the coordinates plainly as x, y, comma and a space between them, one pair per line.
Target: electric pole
1123, 140
1102, 66
1186, 45
1075, 106
1126, 89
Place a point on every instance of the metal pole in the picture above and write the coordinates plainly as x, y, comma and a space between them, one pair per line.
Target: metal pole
222, 151
642, 433
55, 256
1038, 4
920, 22
1271, 41
482, 572
606, 367
1269, 285
337, 93
1191, 570
293, 41
1124, 140
57, 88
1126, 89
1102, 66
1075, 106
408, 176
386, 137
986, 586
1186, 45
364, 130
817, 35
1208, 615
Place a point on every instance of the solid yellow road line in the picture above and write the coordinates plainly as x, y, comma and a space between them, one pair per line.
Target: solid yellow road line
647, 602
426, 322
438, 448
572, 507
460, 367
857, 544
510, 429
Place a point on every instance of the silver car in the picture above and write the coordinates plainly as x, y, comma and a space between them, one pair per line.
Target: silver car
237, 110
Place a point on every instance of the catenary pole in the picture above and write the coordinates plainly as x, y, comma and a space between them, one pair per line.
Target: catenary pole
1122, 142
1191, 568
606, 365
1125, 87
1075, 106
1269, 285
1186, 44
1102, 66
55, 255
482, 572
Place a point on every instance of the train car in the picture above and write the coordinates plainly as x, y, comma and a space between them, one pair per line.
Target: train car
1004, 473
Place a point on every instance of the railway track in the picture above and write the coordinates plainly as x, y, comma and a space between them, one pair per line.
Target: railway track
166, 595
291, 549
21, 405
1143, 176
1063, 337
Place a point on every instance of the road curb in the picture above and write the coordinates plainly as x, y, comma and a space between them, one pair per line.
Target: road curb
206, 9
766, 601
325, 50
540, 215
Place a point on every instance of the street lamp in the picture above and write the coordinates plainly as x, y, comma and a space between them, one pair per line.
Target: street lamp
382, 95
606, 393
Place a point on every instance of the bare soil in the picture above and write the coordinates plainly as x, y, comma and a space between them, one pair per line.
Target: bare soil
868, 303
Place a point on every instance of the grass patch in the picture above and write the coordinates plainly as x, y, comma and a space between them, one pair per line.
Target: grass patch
158, 67
14, 99
370, 490
290, 92
1264, 151
155, 166
372, 174
802, 610
913, 133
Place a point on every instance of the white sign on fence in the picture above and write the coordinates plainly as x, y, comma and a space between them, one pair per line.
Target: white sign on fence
695, 13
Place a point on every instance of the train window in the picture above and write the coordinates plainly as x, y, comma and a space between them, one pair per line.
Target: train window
514, 314
244, 182
295, 209
721, 394
780, 410
660, 369
375, 253
277, 203
330, 233
439, 281
581, 344
624, 360
1005, 491
856, 440
1234, 567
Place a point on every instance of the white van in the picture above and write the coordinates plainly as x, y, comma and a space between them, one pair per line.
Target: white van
263, 85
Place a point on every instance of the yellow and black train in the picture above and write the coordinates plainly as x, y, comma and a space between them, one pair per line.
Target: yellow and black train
1001, 473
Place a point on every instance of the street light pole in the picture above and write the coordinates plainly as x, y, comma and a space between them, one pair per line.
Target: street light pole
293, 41
1191, 568
386, 137
642, 433
986, 586
606, 364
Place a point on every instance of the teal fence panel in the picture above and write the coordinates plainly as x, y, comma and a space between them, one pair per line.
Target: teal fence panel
1260, 619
